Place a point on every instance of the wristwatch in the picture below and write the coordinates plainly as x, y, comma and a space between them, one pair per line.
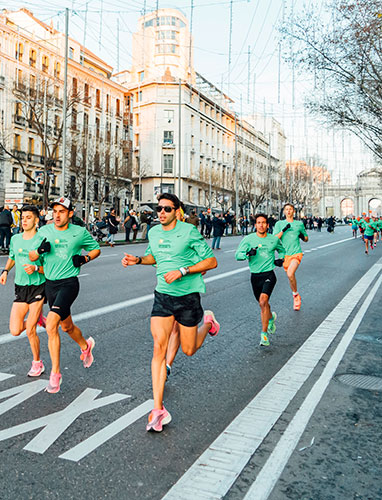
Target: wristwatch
184, 270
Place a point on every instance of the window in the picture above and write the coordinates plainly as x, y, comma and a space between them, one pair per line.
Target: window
169, 115
74, 87
141, 76
148, 23
74, 119
17, 142
140, 95
45, 63
107, 163
107, 103
137, 120
19, 51
107, 192
18, 109
116, 134
32, 82
118, 107
19, 78
15, 174
168, 137
71, 53
56, 125
166, 35
166, 48
95, 188
138, 192
73, 186
73, 156
168, 188
189, 193
32, 58
86, 123
31, 145
56, 91
97, 124
86, 93
168, 163
98, 98
57, 70
136, 140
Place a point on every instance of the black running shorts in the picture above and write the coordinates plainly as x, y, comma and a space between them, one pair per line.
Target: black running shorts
29, 293
61, 294
263, 283
186, 309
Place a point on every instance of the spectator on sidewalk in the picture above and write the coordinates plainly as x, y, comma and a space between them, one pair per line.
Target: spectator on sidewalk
127, 223
202, 217
208, 226
145, 221
16, 219
5, 228
112, 225
218, 226
135, 224
193, 219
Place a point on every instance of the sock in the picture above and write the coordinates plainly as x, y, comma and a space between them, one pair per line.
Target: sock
295, 293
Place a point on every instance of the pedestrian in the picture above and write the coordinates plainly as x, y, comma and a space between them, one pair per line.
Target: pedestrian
112, 226
208, 226
259, 249
233, 224
227, 218
61, 245
127, 224
5, 228
16, 219
144, 224
244, 225
29, 286
181, 255
202, 217
252, 222
369, 229
193, 219
218, 226
135, 223
319, 224
289, 231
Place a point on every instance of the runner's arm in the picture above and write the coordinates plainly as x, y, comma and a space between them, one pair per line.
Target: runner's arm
200, 267
242, 249
132, 260
4, 273
93, 254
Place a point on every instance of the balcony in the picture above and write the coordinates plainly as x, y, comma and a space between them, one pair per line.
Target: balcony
168, 143
21, 155
37, 159
20, 87
19, 120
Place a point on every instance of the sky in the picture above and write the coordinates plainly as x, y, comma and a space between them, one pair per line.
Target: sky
252, 80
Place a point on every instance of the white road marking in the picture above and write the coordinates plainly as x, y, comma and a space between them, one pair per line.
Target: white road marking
273, 468
5, 376
90, 444
106, 256
214, 472
82, 275
7, 337
229, 251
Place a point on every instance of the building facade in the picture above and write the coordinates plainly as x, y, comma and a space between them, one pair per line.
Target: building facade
185, 130
99, 128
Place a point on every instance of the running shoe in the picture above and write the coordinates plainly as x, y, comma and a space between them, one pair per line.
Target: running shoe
157, 419
297, 302
168, 371
41, 321
209, 317
86, 354
55, 380
37, 369
264, 341
272, 324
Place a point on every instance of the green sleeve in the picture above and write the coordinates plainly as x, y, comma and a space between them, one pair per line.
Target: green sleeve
303, 230
11, 251
199, 244
277, 227
280, 249
242, 249
88, 242
148, 251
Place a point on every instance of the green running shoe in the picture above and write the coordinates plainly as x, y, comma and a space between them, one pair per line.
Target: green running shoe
272, 324
264, 340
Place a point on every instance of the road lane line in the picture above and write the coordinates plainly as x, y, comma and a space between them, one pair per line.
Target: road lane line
274, 466
214, 472
7, 337
90, 444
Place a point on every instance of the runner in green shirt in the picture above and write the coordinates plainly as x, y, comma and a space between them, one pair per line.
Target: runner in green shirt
290, 231
29, 285
181, 255
354, 226
379, 224
259, 249
61, 244
368, 235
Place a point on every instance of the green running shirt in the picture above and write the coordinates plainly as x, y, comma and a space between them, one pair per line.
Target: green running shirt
263, 261
58, 262
290, 239
182, 246
19, 252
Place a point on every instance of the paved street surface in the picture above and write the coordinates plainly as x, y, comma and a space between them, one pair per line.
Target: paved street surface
248, 423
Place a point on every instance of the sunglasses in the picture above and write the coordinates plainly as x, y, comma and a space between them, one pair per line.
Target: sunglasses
166, 208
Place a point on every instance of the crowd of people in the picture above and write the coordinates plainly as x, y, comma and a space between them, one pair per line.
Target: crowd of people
47, 254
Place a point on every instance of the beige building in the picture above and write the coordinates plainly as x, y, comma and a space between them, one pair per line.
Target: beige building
184, 126
31, 104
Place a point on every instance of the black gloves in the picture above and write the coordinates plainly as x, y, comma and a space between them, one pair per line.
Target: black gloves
252, 252
301, 236
279, 262
44, 247
286, 228
80, 260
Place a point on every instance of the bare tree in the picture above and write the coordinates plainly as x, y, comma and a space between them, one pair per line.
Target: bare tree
341, 47
33, 109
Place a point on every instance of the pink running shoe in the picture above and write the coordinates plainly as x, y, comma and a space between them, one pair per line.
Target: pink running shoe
37, 369
41, 321
209, 317
55, 380
157, 419
86, 355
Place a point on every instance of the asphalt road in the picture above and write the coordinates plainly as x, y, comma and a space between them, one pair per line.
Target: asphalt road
205, 393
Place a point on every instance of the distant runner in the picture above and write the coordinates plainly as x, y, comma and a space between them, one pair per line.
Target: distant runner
259, 249
290, 231
29, 285
181, 255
